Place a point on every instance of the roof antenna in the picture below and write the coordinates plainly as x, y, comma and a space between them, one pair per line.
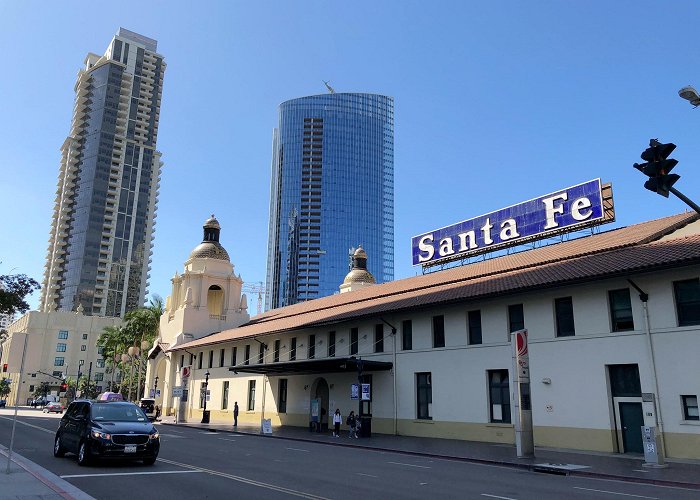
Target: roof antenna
330, 89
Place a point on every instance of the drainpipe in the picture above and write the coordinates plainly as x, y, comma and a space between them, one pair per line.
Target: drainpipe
644, 297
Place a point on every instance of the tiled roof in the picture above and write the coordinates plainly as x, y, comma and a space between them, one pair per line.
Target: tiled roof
611, 253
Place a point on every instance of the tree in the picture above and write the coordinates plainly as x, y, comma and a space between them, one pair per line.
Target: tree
42, 390
13, 290
4, 388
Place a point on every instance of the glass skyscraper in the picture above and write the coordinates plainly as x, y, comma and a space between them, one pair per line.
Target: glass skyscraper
332, 189
102, 229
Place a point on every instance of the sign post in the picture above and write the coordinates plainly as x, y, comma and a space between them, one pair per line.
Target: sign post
524, 442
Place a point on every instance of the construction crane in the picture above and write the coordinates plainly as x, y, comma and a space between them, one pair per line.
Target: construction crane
259, 288
327, 84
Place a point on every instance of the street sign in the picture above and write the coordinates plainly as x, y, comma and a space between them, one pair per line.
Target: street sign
177, 392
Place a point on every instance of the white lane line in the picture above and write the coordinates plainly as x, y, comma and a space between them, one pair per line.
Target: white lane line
410, 465
247, 481
640, 470
132, 473
614, 493
367, 475
496, 496
30, 425
224, 439
298, 449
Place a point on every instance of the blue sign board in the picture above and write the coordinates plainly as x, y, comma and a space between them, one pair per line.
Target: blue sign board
568, 209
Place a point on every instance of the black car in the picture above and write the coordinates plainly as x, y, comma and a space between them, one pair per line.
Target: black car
106, 429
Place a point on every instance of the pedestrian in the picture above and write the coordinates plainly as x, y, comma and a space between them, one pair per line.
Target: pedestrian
337, 420
235, 414
352, 423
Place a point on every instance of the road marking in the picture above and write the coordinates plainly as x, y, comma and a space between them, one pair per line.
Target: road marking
496, 496
367, 475
227, 439
298, 449
132, 473
614, 493
247, 481
410, 465
30, 425
640, 470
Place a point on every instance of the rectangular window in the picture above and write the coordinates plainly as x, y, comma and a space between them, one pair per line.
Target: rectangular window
261, 353
499, 396
224, 396
379, 338
84, 336
222, 356
234, 353
246, 358
63, 334
100, 363
516, 318
58, 361
57, 374
200, 360
331, 344
407, 335
83, 347
282, 395
564, 314
191, 359
424, 396
99, 376
474, 325
293, 349
690, 408
439, 331
620, 310
354, 341
211, 359
251, 395
182, 360
687, 301
60, 347
276, 352
312, 347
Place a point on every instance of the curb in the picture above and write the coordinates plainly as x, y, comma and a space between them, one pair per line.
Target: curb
483, 461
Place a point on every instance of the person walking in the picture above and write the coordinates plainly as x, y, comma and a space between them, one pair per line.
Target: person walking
352, 423
337, 420
235, 414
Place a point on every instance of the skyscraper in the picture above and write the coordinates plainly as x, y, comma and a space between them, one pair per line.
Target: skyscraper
103, 221
332, 189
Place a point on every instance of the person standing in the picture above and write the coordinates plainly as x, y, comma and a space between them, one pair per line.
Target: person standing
235, 414
352, 422
337, 420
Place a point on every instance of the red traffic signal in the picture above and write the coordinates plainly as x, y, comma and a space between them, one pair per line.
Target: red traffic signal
64, 387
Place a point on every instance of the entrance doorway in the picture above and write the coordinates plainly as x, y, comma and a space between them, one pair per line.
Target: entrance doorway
631, 421
320, 391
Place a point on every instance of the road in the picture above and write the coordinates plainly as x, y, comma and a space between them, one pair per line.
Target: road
198, 464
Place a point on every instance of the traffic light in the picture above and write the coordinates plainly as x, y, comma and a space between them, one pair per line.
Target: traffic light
64, 387
658, 166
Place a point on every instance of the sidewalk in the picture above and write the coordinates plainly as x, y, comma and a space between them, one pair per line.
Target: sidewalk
681, 473
29, 481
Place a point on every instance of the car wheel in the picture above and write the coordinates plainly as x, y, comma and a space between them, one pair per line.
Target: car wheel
149, 460
83, 455
58, 449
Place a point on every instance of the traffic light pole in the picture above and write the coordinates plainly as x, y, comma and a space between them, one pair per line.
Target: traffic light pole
685, 199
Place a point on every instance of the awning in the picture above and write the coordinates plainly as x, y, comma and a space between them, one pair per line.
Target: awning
310, 366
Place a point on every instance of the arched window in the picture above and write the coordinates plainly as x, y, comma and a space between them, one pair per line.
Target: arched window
215, 300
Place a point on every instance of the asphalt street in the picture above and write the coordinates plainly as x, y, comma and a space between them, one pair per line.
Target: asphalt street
195, 463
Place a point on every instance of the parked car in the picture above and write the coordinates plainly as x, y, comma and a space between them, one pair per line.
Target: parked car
54, 408
106, 429
148, 405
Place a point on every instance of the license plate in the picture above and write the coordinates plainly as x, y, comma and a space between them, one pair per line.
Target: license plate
130, 448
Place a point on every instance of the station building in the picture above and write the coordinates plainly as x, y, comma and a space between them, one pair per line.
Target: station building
613, 320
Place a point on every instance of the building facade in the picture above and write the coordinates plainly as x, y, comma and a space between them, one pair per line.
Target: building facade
332, 188
104, 215
614, 334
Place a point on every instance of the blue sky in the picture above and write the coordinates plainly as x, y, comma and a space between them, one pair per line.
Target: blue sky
495, 102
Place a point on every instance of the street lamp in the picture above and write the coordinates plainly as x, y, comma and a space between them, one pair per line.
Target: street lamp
205, 415
691, 95
155, 387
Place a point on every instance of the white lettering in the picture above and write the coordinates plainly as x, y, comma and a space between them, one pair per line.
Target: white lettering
550, 209
428, 249
576, 207
486, 231
508, 230
463, 241
446, 247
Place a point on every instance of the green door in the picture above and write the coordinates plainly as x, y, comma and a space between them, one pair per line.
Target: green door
632, 420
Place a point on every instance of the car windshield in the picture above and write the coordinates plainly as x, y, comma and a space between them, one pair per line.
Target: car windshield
117, 413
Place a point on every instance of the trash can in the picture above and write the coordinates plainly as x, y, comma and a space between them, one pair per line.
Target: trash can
366, 427
205, 417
